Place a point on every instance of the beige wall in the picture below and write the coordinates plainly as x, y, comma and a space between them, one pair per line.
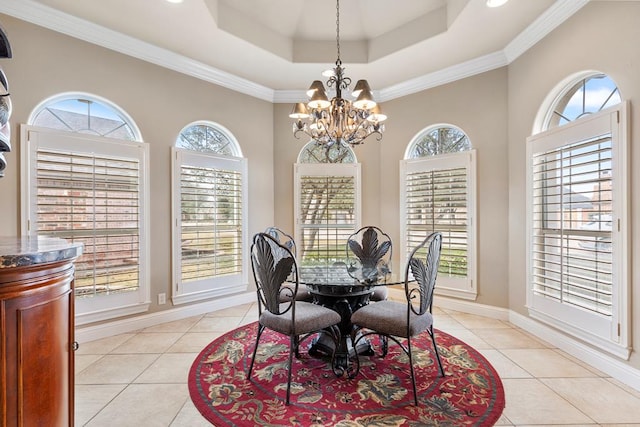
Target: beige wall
602, 36
160, 101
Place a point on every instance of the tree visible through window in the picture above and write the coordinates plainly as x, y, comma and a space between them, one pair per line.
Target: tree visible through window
205, 138
439, 140
326, 202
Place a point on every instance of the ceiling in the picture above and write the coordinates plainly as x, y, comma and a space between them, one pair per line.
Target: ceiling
273, 49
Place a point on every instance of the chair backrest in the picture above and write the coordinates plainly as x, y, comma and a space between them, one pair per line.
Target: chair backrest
272, 263
370, 250
283, 238
424, 273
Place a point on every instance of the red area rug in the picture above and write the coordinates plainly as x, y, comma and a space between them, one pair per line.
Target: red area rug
470, 394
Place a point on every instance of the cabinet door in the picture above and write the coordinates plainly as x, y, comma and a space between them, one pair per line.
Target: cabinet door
39, 355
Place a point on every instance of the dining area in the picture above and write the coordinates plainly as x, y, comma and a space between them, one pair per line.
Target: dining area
344, 343
341, 304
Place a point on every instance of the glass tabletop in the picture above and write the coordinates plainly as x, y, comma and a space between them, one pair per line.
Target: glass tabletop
341, 274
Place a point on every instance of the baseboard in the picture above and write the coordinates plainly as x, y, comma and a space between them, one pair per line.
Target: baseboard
471, 307
132, 324
611, 366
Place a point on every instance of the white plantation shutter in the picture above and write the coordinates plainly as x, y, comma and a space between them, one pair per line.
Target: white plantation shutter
438, 195
94, 200
92, 190
327, 204
210, 225
577, 273
572, 221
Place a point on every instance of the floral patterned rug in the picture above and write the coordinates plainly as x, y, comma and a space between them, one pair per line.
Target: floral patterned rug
470, 394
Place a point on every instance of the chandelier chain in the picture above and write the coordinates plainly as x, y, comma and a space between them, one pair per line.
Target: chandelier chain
338, 61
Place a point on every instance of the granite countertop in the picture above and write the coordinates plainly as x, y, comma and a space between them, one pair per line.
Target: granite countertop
23, 251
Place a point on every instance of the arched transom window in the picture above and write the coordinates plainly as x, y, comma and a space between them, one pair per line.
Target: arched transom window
316, 153
438, 139
84, 113
208, 137
583, 96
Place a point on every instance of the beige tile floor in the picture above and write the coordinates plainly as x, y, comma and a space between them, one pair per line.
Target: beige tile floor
140, 379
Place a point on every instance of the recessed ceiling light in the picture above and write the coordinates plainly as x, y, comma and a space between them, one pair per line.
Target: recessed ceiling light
496, 3
175, 1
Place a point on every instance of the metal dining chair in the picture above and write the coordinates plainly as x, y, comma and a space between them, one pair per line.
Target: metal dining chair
272, 263
370, 250
286, 240
397, 320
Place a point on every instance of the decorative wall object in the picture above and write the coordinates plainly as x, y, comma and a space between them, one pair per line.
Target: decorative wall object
5, 104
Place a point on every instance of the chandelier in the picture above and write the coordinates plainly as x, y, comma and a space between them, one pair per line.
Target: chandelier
338, 121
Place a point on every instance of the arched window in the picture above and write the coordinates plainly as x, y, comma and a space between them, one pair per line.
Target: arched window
208, 137
210, 213
89, 184
84, 113
581, 96
438, 194
326, 202
316, 153
577, 182
438, 139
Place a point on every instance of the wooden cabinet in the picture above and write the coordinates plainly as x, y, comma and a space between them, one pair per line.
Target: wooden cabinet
37, 323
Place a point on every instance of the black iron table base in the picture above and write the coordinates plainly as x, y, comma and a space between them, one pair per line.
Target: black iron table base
344, 300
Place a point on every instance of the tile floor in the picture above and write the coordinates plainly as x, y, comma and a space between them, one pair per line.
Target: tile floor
139, 379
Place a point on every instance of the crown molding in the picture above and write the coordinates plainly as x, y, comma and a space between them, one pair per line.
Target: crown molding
47, 17
551, 18
446, 75
290, 96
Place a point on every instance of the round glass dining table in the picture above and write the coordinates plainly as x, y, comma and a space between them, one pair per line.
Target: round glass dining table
345, 290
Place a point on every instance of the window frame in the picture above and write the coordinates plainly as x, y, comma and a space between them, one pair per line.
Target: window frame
197, 290
104, 307
612, 336
464, 288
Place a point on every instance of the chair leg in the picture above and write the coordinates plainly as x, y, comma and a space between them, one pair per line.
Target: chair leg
384, 341
413, 374
353, 367
292, 349
435, 348
255, 349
